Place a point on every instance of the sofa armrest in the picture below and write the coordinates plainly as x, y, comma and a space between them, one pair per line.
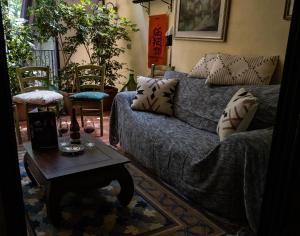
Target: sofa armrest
125, 98
121, 104
260, 138
252, 150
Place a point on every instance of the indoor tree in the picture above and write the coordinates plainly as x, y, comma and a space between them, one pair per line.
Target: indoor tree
91, 25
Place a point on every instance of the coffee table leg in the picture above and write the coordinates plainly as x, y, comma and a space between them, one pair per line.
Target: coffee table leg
53, 203
127, 187
27, 169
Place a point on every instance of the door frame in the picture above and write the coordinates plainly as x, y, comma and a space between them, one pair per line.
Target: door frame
12, 206
281, 204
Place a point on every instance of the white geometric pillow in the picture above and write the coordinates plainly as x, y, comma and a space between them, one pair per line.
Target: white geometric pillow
241, 70
238, 114
203, 67
38, 97
155, 95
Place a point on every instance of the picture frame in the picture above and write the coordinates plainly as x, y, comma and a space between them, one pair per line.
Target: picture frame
288, 11
208, 21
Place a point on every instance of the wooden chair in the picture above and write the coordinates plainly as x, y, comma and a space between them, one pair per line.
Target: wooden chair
35, 91
89, 82
158, 71
29, 78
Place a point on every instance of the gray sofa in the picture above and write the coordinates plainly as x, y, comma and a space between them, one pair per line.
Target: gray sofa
226, 178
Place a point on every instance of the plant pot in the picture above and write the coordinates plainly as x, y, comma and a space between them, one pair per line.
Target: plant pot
111, 91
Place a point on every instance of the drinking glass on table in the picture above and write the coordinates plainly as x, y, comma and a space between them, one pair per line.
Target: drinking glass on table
89, 128
63, 129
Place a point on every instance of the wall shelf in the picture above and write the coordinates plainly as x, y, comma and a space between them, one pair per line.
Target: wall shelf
144, 4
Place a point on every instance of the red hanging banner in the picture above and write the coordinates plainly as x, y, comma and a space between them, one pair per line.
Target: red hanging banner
157, 50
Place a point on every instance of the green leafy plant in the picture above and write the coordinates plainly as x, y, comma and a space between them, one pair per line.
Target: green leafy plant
20, 40
91, 25
66, 77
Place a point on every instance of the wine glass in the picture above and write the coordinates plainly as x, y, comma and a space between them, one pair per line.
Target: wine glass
63, 128
89, 127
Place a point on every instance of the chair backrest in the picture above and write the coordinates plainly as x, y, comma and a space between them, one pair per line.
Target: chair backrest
159, 70
90, 77
33, 78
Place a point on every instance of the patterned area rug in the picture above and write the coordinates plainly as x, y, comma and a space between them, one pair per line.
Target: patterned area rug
153, 211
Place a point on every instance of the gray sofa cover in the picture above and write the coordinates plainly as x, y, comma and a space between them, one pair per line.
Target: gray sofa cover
226, 178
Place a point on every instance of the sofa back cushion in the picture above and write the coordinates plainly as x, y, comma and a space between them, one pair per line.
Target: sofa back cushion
172, 74
201, 105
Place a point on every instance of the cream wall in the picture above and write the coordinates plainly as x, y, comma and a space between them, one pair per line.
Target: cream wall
256, 27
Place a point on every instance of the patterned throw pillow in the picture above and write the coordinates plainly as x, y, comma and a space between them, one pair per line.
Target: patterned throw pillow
155, 95
239, 70
238, 114
204, 66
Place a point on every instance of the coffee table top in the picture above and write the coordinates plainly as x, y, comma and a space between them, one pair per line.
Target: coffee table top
53, 164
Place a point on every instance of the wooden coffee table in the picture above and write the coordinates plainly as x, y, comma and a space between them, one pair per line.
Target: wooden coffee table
95, 168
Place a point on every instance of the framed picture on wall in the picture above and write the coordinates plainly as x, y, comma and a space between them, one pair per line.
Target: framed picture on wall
202, 19
288, 9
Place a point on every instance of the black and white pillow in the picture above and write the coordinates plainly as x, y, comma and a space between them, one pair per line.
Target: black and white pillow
155, 95
203, 67
238, 114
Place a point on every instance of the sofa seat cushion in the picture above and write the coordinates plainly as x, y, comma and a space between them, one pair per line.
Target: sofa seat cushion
201, 105
174, 135
174, 148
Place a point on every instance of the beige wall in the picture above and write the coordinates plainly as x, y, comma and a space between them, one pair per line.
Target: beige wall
256, 27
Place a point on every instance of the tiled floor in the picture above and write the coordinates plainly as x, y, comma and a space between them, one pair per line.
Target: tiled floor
95, 119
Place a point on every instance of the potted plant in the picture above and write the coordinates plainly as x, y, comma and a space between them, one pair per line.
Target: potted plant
91, 25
